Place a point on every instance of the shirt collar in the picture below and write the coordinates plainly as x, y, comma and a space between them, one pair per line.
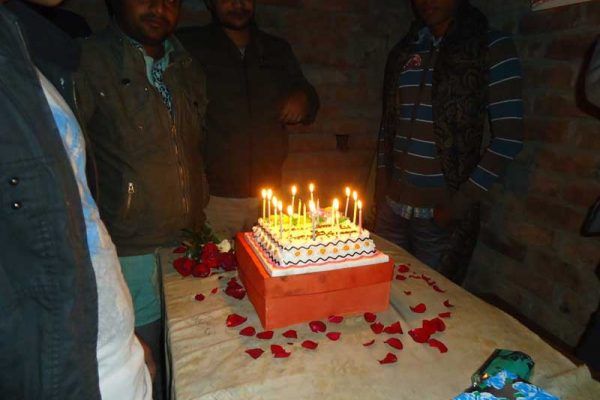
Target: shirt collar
425, 36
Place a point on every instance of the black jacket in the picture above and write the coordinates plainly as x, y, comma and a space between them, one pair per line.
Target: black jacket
246, 144
48, 299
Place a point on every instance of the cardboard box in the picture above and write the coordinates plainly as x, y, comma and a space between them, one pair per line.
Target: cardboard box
289, 300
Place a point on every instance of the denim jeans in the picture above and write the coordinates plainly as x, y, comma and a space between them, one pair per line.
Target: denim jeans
421, 237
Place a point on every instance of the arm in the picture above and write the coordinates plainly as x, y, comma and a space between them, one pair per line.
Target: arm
505, 114
302, 102
592, 80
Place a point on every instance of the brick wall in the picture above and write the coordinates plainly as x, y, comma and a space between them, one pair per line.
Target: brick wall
530, 252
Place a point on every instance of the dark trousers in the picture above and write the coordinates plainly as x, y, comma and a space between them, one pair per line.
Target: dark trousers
421, 237
152, 334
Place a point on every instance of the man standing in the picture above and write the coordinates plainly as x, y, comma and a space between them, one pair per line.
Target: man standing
443, 80
255, 88
143, 100
67, 319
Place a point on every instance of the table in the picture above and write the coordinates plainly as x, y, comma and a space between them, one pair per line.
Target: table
208, 359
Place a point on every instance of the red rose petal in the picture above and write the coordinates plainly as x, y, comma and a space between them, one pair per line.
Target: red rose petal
234, 320
400, 278
446, 314
440, 325
317, 326
370, 317
393, 328
334, 335
390, 358
377, 328
255, 353
437, 289
407, 292
419, 308
395, 343
335, 319
403, 268
266, 335
448, 304
425, 278
437, 344
215, 290
291, 334
419, 335
369, 343
309, 344
201, 270
180, 250
199, 297
279, 352
248, 331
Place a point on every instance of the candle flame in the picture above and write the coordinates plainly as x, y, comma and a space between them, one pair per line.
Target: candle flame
347, 191
280, 206
311, 187
269, 194
355, 195
359, 205
290, 211
311, 205
275, 201
294, 190
264, 194
336, 204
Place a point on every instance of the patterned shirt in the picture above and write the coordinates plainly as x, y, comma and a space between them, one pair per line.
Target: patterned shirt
424, 179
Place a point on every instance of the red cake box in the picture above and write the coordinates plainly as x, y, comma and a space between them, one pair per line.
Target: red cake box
288, 300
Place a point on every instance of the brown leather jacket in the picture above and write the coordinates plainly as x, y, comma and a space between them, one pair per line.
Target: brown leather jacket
246, 143
150, 174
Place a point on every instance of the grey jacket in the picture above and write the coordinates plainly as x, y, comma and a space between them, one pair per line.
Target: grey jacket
150, 174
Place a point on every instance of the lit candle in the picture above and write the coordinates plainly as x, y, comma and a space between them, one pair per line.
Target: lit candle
275, 210
269, 197
359, 216
290, 211
334, 210
264, 197
313, 213
280, 207
294, 191
311, 188
355, 197
304, 222
347, 202
299, 209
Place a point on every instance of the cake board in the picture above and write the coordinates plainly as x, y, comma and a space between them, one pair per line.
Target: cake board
288, 300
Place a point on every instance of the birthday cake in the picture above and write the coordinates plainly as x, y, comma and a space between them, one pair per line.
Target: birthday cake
298, 243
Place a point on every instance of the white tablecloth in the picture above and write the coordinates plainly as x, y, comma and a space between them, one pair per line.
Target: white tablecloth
208, 359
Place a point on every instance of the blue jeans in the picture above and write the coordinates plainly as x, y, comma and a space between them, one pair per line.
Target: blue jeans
421, 237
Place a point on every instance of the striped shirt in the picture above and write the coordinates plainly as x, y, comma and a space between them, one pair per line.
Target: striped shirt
424, 183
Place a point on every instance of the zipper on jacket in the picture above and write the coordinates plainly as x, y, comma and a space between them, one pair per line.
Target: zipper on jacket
130, 193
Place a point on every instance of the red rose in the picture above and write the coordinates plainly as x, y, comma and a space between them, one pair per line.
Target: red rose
209, 250
201, 270
184, 265
227, 261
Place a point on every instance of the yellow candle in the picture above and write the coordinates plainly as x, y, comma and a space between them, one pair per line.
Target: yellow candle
275, 209
311, 188
299, 209
304, 224
355, 197
294, 191
313, 213
334, 212
290, 211
264, 197
347, 202
359, 216
280, 208
269, 197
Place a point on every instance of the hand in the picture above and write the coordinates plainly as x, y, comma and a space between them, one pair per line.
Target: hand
294, 108
148, 358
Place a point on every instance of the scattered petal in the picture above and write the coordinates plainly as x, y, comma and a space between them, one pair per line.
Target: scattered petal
440, 325
403, 268
309, 344
369, 343
234, 320
419, 308
199, 297
407, 292
393, 329
438, 345
446, 314
370, 317
400, 278
266, 335
448, 304
335, 319
419, 335
437, 289
317, 326
334, 335
390, 358
215, 290
248, 331
255, 353
291, 334
279, 352
180, 250
395, 343
377, 328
